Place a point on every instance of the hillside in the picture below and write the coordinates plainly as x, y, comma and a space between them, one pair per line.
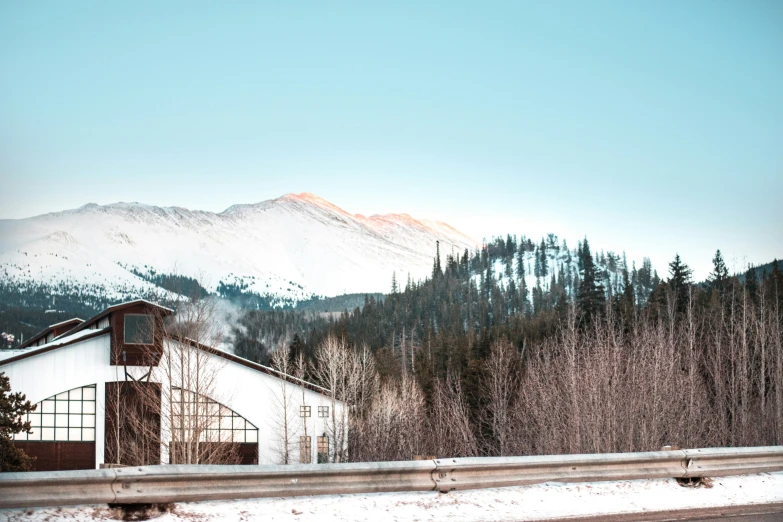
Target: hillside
288, 249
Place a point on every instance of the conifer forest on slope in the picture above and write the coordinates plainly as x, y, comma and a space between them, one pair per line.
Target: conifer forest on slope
586, 354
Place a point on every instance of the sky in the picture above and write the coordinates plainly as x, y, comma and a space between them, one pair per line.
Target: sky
653, 128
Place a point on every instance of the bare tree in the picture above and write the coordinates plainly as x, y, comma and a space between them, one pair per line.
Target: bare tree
285, 405
500, 388
174, 413
450, 428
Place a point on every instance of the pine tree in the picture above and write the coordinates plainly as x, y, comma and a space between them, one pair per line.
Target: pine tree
751, 281
436, 268
680, 283
537, 266
720, 274
544, 266
523, 300
626, 302
394, 288
13, 407
591, 296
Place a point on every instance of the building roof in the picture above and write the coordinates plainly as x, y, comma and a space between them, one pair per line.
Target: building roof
9, 356
94, 319
75, 321
255, 366
79, 333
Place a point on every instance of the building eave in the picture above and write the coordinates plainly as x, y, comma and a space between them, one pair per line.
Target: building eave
54, 346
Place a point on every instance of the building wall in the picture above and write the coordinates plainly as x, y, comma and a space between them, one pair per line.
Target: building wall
257, 397
254, 395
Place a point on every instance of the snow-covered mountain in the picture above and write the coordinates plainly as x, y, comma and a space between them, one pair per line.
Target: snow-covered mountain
292, 248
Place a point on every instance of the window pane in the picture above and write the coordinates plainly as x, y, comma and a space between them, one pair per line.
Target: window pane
47, 433
88, 421
239, 423
61, 420
239, 435
75, 395
61, 434
88, 407
74, 421
138, 329
74, 434
47, 419
35, 419
35, 434
20, 436
89, 393
48, 406
88, 434
62, 396
75, 407
251, 436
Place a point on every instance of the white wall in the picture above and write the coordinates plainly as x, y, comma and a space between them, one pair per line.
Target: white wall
249, 392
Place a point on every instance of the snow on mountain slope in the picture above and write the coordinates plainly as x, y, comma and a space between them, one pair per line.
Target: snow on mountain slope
292, 247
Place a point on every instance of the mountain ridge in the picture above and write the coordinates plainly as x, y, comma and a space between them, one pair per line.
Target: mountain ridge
293, 247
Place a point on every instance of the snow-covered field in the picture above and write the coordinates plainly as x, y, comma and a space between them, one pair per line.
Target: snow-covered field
535, 502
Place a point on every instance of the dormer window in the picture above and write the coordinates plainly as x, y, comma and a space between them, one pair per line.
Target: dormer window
139, 329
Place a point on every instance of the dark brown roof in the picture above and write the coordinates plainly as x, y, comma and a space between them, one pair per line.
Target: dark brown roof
48, 330
94, 319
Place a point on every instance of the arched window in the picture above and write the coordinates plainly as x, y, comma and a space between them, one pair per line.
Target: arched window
67, 416
196, 414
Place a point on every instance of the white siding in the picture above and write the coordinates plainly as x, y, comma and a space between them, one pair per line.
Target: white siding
249, 392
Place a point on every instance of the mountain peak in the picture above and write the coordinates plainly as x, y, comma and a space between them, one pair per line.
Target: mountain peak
308, 198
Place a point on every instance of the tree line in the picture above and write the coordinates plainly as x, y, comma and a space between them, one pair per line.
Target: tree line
468, 363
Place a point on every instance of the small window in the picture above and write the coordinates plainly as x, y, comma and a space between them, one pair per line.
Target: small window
323, 449
304, 411
139, 329
305, 449
323, 411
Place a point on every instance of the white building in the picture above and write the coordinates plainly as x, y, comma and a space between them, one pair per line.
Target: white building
72, 370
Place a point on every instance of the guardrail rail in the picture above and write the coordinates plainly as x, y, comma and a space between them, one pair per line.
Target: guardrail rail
177, 483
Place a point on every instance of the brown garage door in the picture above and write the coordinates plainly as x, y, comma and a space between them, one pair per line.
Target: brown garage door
56, 456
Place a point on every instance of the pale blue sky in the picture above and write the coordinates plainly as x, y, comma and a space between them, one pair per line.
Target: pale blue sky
652, 127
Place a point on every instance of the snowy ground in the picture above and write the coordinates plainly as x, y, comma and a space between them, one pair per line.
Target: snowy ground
536, 502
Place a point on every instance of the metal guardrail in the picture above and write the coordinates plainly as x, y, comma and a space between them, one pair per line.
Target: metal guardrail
175, 483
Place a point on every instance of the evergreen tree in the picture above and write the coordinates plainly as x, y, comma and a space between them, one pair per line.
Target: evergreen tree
544, 265
523, 300
751, 281
591, 296
680, 283
626, 302
394, 287
296, 348
13, 407
436, 268
720, 274
537, 269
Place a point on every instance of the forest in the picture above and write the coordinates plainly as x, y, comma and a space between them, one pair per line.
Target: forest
593, 356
